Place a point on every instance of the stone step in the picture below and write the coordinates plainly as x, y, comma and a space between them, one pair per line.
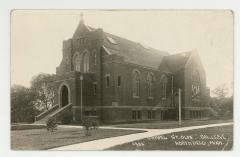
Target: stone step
55, 112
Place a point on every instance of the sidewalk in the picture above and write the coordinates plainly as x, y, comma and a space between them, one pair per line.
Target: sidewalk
105, 143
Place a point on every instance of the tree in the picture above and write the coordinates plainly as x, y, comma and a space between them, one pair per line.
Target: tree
44, 93
22, 108
221, 92
228, 105
221, 103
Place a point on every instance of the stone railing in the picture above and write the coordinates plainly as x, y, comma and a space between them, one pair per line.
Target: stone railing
61, 110
45, 113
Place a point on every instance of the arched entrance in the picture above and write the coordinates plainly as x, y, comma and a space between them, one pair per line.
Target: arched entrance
64, 100
64, 96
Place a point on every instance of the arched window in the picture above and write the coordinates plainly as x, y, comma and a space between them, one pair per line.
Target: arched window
86, 62
94, 57
150, 84
164, 82
136, 84
195, 76
195, 85
77, 62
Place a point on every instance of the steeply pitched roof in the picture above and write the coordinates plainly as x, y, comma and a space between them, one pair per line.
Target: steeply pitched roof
177, 61
132, 52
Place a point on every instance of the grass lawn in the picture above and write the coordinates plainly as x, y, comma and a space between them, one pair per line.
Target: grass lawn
41, 139
215, 138
169, 124
26, 126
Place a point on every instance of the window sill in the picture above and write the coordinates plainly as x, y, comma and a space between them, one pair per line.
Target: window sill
137, 119
136, 97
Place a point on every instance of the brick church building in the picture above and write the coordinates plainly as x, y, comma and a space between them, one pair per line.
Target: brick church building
118, 80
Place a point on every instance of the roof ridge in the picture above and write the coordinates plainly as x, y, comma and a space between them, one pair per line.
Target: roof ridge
132, 51
133, 42
180, 53
154, 50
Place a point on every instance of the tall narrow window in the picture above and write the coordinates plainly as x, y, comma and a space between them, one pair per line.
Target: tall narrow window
95, 88
136, 84
150, 85
86, 62
153, 114
164, 81
107, 80
82, 40
164, 89
77, 62
195, 76
150, 114
196, 91
119, 81
134, 115
95, 58
139, 114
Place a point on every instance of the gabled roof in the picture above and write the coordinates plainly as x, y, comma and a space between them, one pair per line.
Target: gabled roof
132, 52
177, 61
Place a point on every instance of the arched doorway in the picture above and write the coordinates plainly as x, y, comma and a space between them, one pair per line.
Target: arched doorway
64, 93
64, 96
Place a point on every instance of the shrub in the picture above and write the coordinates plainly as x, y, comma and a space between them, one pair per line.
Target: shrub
95, 124
87, 126
51, 124
90, 124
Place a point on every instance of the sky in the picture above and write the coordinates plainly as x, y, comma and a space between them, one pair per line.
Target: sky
37, 36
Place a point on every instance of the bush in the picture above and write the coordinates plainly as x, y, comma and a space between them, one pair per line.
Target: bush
51, 124
66, 117
95, 124
90, 124
87, 126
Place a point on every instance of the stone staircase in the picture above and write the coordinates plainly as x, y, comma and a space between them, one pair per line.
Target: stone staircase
55, 111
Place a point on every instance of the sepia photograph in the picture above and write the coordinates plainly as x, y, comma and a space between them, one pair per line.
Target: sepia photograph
118, 80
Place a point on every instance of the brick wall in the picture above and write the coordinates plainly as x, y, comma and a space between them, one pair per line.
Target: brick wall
123, 94
194, 63
116, 103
